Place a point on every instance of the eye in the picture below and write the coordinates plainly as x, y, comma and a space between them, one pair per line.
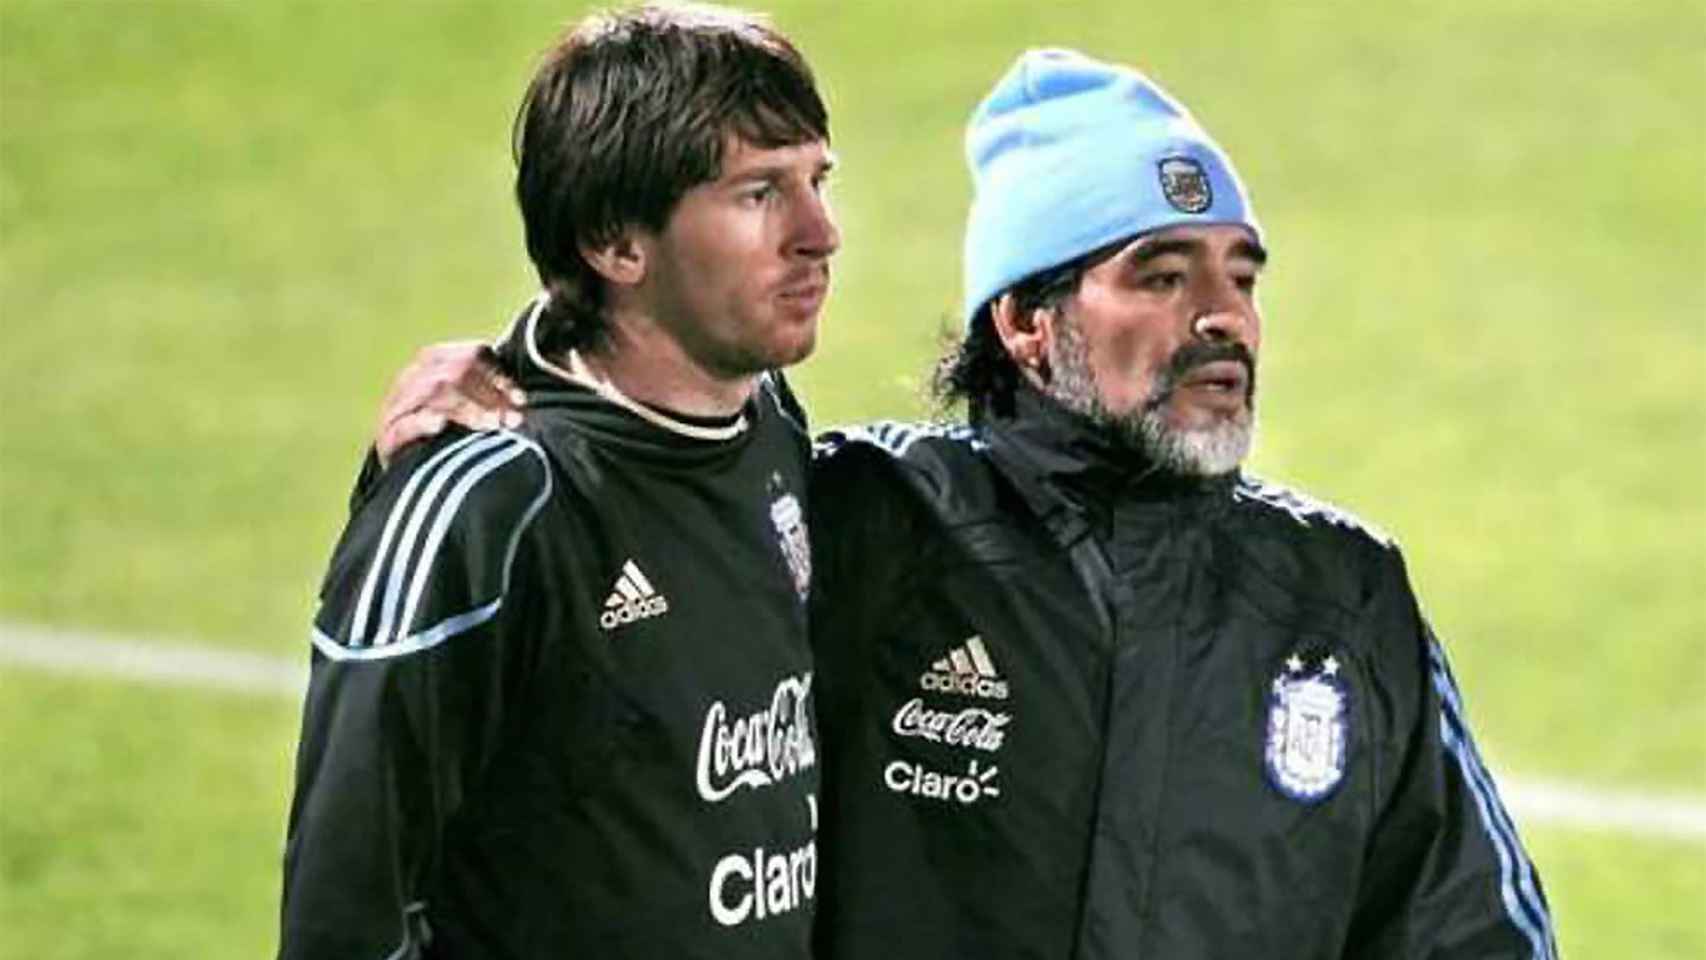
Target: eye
758, 194
1162, 281
1245, 282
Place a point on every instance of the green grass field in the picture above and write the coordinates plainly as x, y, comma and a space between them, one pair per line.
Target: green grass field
224, 226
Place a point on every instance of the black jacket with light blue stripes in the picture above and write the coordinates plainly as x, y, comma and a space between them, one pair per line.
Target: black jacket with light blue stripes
559, 702
1071, 708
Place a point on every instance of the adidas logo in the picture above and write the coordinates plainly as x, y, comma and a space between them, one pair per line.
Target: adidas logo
968, 670
633, 598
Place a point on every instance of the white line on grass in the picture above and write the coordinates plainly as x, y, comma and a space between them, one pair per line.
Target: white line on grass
1559, 804
67, 651
1538, 802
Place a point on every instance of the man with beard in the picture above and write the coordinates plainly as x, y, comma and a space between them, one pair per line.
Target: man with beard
559, 697
1085, 690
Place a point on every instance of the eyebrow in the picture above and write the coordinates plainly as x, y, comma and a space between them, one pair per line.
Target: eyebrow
1152, 250
776, 171
1253, 250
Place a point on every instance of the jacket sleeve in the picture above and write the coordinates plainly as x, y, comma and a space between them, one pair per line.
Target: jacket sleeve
366, 481
418, 650
1446, 876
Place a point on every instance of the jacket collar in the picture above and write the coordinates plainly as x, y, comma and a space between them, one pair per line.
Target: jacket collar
568, 401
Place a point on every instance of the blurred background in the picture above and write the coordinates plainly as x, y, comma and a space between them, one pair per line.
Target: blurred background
225, 226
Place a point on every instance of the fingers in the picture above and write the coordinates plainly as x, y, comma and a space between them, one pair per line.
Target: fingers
416, 382
458, 408
457, 382
480, 380
405, 430
430, 420
466, 367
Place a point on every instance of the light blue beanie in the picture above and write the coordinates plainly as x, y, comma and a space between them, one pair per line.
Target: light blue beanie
1068, 155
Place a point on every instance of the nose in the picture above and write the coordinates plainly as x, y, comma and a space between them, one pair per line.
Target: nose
1218, 325
815, 235
1226, 313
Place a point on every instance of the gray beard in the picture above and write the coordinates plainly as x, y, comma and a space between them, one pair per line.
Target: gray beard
1208, 452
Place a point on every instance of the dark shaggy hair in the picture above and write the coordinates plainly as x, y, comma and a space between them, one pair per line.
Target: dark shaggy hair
627, 112
976, 369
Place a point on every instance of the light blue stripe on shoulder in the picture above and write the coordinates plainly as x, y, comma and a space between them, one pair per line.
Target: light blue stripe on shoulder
1304, 509
405, 500
447, 513
896, 437
513, 447
426, 506
425, 640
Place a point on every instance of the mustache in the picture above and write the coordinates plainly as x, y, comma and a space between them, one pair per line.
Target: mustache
801, 276
1195, 354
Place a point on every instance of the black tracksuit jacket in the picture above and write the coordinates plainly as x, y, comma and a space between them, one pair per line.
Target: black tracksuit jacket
1071, 709
560, 698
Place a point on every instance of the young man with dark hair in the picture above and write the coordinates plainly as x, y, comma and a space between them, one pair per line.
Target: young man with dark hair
560, 697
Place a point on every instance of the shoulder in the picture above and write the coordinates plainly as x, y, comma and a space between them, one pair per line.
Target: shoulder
776, 397
891, 473
929, 453
431, 553
1284, 511
491, 480
1314, 548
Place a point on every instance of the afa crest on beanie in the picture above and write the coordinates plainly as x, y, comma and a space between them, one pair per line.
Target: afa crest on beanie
1069, 154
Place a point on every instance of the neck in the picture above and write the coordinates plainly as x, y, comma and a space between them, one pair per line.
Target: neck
652, 366
572, 367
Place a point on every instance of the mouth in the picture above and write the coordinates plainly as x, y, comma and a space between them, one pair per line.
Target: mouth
1223, 378
805, 295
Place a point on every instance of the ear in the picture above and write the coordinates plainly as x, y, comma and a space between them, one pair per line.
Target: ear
620, 261
1026, 334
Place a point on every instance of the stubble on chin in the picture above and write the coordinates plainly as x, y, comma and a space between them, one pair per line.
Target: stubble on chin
753, 356
754, 359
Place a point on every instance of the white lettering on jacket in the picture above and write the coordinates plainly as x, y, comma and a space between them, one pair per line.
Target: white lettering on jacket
756, 884
971, 727
759, 749
918, 780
